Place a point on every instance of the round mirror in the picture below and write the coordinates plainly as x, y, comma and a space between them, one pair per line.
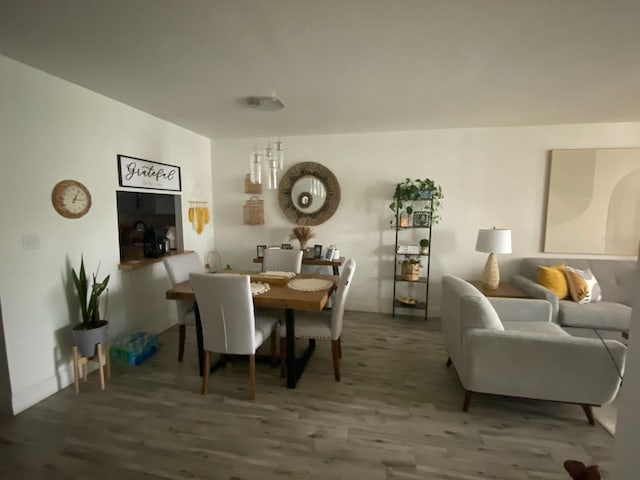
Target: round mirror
309, 193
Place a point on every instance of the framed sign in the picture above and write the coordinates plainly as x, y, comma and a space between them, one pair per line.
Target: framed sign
260, 250
140, 173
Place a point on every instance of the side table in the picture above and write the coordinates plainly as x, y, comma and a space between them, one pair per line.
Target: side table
505, 290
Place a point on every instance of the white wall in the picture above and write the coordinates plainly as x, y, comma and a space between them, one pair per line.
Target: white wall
489, 176
51, 130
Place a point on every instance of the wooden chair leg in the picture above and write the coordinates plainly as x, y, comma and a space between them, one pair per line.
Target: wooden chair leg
449, 362
76, 370
283, 356
467, 400
101, 365
340, 347
182, 334
252, 377
588, 410
335, 354
207, 367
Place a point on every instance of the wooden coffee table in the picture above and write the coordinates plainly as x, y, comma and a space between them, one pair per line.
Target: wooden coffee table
505, 290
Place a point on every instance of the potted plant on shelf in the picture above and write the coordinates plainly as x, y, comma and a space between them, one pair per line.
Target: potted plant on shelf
411, 269
409, 192
91, 330
424, 246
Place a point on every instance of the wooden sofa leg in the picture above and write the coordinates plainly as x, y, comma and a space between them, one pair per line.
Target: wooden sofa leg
467, 400
588, 411
449, 362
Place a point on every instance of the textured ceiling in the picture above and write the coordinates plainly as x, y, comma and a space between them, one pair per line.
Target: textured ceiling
341, 66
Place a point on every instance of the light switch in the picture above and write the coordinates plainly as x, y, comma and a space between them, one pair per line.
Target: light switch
30, 241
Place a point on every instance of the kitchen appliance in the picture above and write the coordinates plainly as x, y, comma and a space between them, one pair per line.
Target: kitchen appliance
154, 242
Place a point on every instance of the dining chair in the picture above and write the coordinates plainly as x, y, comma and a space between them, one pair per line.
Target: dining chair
282, 260
179, 267
324, 324
229, 324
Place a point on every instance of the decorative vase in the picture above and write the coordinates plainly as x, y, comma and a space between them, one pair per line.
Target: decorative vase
86, 340
424, 250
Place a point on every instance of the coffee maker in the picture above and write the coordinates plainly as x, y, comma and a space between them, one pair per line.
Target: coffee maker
154, 242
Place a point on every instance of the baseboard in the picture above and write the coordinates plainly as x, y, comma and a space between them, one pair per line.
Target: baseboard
36, 393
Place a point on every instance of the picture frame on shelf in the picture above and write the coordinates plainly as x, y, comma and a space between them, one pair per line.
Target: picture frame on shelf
317, 251
286, 246
421, 218
260, 250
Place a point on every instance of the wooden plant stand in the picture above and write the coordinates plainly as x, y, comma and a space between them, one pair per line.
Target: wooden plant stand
102, 357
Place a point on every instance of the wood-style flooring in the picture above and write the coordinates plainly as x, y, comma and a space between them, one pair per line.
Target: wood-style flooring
395, 415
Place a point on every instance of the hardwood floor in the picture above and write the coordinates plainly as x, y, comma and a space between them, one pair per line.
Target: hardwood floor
396, 414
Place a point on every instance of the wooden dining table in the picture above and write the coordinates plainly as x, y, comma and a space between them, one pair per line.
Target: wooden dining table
279, 296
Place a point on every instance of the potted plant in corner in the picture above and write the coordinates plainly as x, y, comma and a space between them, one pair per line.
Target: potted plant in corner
424, 190
91, 330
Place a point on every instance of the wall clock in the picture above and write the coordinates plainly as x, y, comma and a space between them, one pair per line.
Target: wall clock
71, 199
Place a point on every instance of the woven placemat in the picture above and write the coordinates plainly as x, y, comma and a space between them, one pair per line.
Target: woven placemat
257, 288
309, 284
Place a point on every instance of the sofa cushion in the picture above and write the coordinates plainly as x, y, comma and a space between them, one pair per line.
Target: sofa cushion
583, 286
616, 277
554, 279
604, 315
544, 328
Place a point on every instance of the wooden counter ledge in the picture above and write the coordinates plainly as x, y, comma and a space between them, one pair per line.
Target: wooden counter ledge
143, 262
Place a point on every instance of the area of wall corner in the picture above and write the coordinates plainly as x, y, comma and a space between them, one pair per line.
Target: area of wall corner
5, 383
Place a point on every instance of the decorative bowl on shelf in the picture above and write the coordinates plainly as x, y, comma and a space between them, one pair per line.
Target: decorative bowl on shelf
408, 301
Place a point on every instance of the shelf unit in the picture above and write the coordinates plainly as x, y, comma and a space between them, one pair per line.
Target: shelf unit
400, 232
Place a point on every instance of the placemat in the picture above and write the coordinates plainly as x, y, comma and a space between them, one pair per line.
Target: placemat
257, 288
309, 284
274, 273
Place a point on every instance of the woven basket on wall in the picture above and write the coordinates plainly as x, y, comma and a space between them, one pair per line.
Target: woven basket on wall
253, 212
251, 187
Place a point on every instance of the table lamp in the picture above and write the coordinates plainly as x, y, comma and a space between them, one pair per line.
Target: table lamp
492, 241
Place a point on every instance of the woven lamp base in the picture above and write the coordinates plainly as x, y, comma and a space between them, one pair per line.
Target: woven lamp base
491, 273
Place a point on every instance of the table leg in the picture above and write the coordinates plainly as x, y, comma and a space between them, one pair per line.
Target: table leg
336, 270
199, 339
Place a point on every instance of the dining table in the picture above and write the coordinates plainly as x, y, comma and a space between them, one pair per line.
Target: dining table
278, 296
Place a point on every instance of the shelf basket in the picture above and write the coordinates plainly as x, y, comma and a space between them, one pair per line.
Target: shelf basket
253, 212
251, 187
410, 271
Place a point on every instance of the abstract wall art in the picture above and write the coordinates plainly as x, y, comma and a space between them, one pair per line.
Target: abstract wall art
593, 204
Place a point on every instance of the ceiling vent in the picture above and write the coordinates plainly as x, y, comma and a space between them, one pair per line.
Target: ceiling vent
267, 104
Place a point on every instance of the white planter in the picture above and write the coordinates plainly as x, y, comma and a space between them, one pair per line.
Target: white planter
86, 340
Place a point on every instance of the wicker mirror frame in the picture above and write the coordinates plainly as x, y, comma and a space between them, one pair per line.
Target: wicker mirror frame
332, 188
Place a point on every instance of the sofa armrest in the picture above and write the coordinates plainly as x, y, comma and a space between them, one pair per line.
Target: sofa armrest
521, 309
549, 367
538, 291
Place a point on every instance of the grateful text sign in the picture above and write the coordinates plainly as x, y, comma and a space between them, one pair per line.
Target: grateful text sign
139, 173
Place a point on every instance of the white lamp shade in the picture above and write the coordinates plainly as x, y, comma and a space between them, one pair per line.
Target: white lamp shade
494, 240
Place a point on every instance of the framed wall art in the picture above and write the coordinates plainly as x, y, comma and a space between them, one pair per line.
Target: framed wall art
593, 204
140, 173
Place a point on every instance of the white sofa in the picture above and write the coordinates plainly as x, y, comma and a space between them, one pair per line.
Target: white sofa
510, 347
610, 317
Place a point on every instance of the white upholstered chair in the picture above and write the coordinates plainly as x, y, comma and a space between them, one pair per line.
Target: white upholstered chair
229, 324
179, 267
325, 324
282, 260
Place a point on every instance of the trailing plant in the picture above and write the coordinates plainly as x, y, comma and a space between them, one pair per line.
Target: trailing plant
413, 261
424, 242
418, 190
89, 296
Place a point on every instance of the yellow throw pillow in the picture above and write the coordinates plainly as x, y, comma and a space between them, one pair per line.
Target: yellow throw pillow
554, 279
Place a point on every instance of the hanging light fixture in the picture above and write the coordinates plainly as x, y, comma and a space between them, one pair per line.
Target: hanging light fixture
271, 157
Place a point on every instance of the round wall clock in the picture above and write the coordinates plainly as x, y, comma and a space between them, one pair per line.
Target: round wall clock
71, 199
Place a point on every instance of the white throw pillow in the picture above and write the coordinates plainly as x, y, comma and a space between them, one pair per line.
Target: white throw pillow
583, 286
